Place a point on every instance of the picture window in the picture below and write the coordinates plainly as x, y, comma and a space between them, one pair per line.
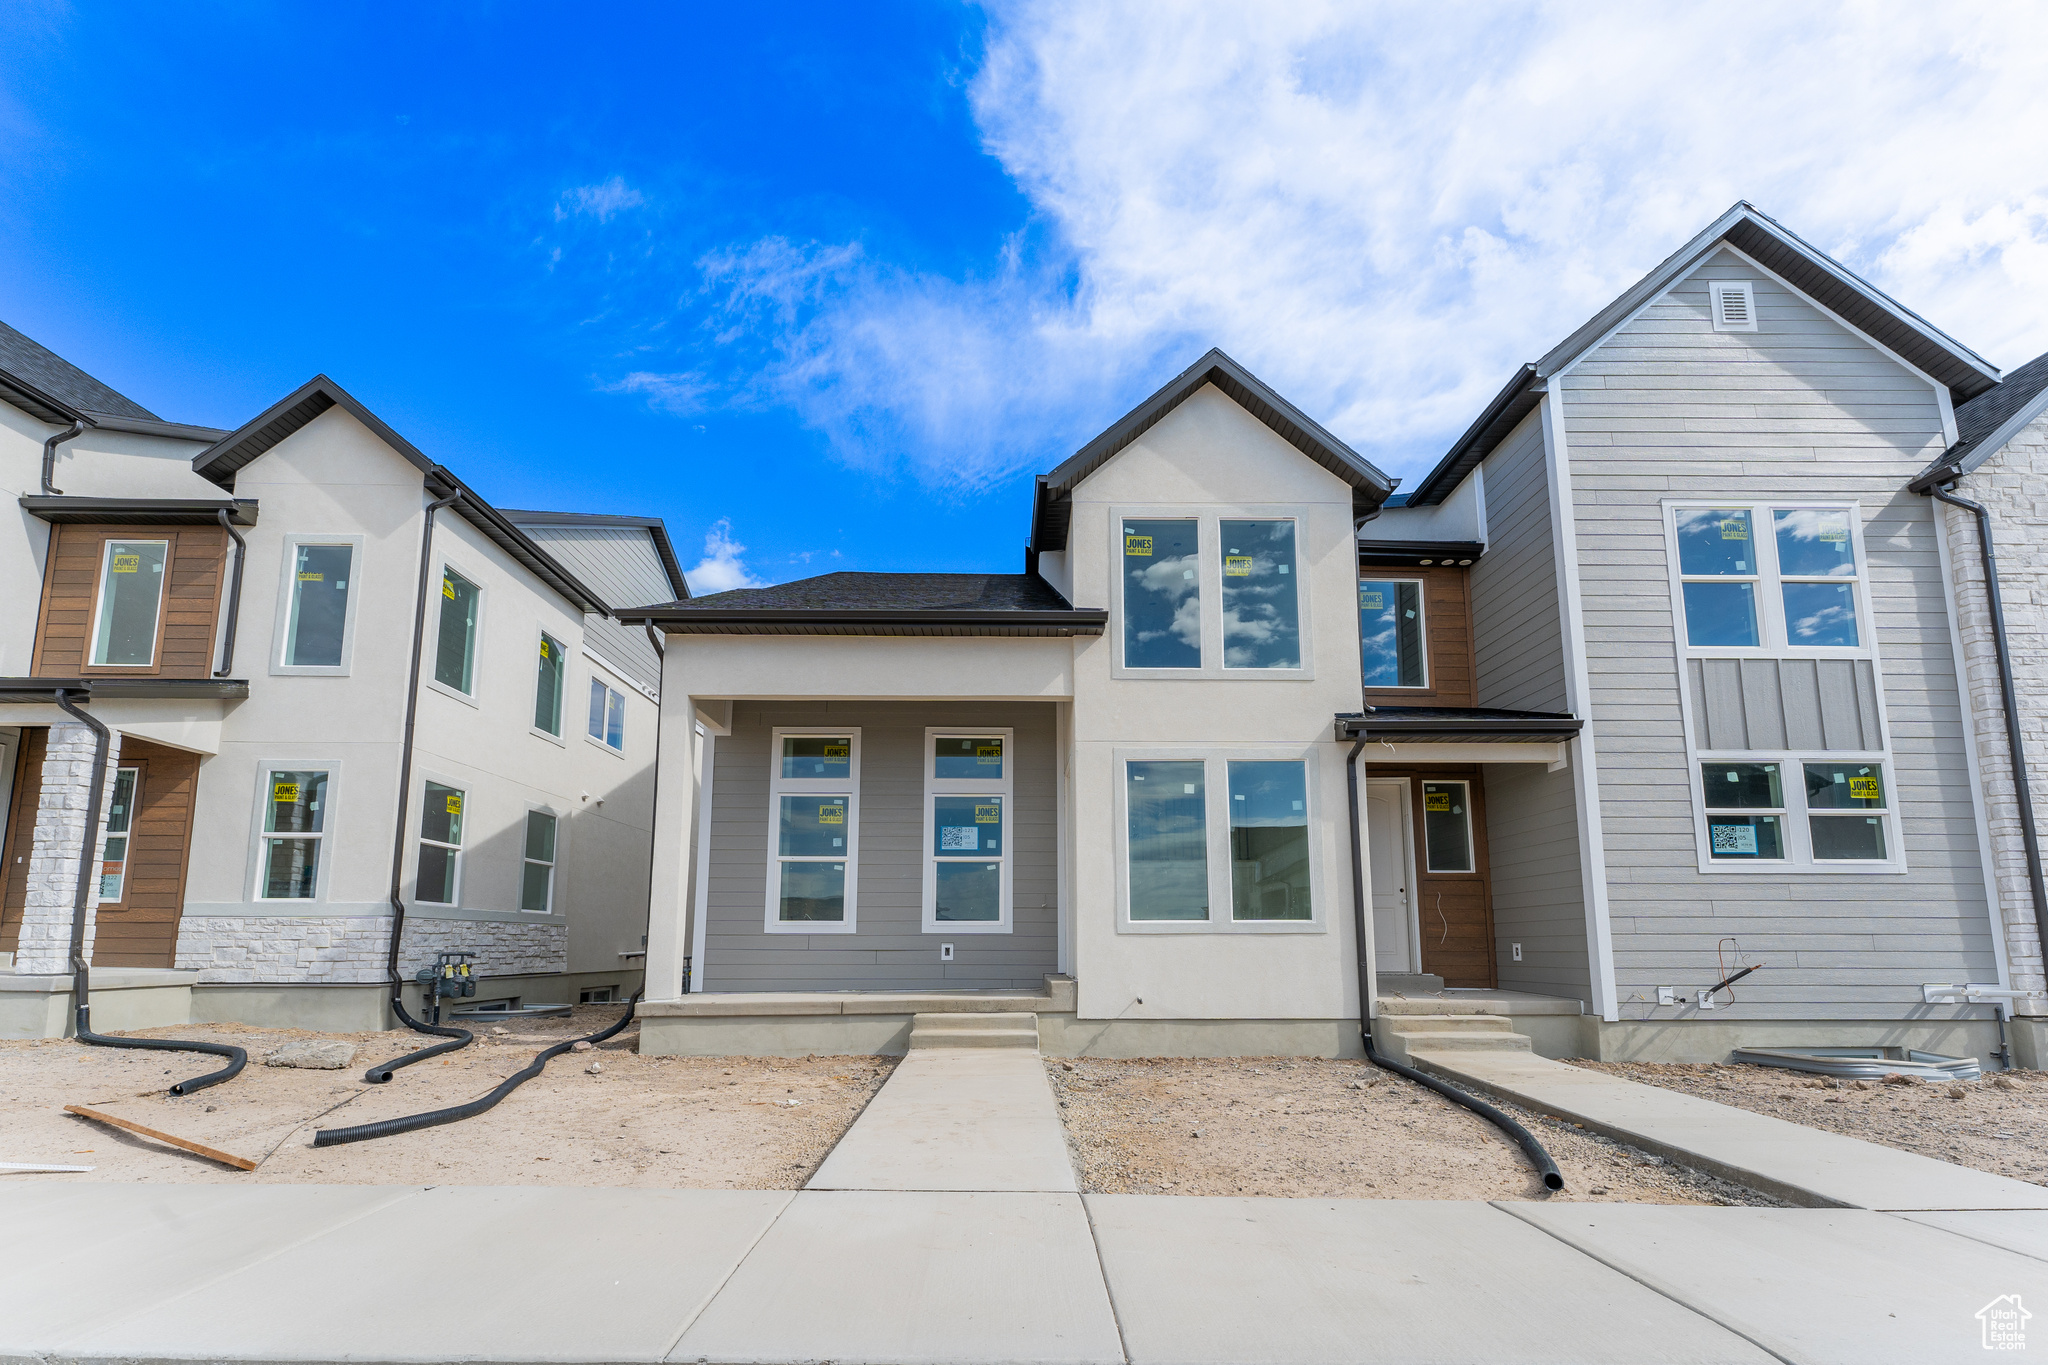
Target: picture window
130, 604
317, 623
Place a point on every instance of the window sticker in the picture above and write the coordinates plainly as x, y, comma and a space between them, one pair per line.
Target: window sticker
127, 563
285, 793
1733, 838
1137, 547
1437, 801
989, 753
448, 588
312, 578
988, 815
455, 803
838, 750
1865, 789
1735, 528
1237, 566
832, 815
1371, 601
959, 838
544, 649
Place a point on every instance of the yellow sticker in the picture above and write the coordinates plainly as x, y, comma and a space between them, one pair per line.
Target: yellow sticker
1865, 789
1372, 601
838, 750
1735, 528
127, 563
284, 792
312, 578
448, 588
1437, 801
988, 815
1138, 546
1834, 530
989, 753
831, 815
455, 803
1237, 566
544, 650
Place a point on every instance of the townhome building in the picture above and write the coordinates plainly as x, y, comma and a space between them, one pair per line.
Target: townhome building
239, 611
1641, 719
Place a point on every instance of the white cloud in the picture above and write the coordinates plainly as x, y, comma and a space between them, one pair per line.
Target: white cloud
677, 393
721, 569
1383, 208
601, 201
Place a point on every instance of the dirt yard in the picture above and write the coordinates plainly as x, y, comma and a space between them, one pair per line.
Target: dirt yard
1998, 1124
1306, 1127
717, 1123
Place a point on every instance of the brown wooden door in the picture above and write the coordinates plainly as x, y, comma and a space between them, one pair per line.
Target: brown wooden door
21, 834
139, 926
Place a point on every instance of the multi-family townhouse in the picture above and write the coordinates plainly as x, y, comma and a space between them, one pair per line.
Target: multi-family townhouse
1649, 681
239, 611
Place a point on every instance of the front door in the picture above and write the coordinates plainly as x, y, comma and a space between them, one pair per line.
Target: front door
19, 845
142, 872
1391, 850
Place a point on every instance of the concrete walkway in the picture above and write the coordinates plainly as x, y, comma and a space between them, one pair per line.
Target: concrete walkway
1798, 1164
303, 1274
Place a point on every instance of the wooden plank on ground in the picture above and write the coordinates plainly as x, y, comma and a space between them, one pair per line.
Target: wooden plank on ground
240, 1163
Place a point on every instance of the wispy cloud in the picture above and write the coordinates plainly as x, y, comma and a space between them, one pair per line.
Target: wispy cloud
722, 568
1382, 209
682, 394
602, 201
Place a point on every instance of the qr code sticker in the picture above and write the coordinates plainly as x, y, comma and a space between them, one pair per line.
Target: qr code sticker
953, 838
1733, 838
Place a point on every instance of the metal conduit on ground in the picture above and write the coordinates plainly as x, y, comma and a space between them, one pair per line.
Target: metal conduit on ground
81, 970
1545, 1165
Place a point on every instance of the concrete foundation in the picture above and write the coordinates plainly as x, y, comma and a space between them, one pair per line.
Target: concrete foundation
123, 998
1703, 1040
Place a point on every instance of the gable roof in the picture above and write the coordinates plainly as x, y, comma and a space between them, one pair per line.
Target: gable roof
852, 603
1988, 421
51, 389
1052, 510
290, 414
1775, 247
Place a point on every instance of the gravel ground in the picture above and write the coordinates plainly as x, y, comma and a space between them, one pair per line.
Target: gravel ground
1312, 1128
661, 1122
1998, 1124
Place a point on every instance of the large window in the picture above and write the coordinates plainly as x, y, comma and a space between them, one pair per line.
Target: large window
1781, 580
317, 623
294, 829
607, 715
537, 871
1162, 600
1390, 635
130, 603
1261, 609
440, 871
814, 831
969, 781
455, 649
120, 827
1814, 811
1194, 826
1447, 826
550, 677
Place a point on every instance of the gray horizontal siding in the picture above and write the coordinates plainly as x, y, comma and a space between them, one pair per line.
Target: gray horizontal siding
621, 566
1517, 636
889, 951
1532, 839
1804, 409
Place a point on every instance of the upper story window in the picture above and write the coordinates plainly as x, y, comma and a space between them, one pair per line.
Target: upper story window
455, 649
1390, 633
124, 632
1218, 596
1775, 579
317, 621
1162, 594
1261, 609
607, 715
550, 678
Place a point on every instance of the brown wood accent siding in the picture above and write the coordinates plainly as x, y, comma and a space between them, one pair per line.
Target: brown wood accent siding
21, 834
186, 622
141, 929
1453, 910
1447, 620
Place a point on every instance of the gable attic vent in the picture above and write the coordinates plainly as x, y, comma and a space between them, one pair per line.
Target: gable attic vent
1734, 306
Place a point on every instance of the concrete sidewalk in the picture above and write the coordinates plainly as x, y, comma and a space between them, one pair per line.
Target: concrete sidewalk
305, 1274
1801, 1165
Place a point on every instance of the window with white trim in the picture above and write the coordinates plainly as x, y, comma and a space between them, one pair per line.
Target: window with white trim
455, 644
1391, 635
1820, 811
1217, 841
294, 833
813, 831
1259, 602
537, 869
969, 830
316, 622
1210, 595
551, 679
130, 603
1770, 579
439, 880
607, 715
120, 821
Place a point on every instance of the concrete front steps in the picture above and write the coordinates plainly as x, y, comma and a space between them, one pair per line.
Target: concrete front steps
974, 1030
1408, 1027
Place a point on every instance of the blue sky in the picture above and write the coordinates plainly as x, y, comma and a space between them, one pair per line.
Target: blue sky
832, 282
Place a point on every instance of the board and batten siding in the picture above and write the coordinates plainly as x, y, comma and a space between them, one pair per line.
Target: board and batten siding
1802, 409
1518, 658
889, 949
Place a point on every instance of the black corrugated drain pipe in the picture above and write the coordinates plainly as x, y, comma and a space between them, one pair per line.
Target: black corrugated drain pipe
459, 1038
81, 970
1546, 1168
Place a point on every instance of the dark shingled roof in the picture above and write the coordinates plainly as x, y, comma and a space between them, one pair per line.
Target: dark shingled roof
1979, 422
41, 373
881, 604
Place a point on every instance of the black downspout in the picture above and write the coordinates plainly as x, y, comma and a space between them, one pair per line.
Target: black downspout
227, 648
2029, 839
461, 1037
1553, 1179
77, 429
81, 970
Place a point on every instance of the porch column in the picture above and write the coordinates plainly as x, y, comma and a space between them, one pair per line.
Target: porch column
60, 841
675, 809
